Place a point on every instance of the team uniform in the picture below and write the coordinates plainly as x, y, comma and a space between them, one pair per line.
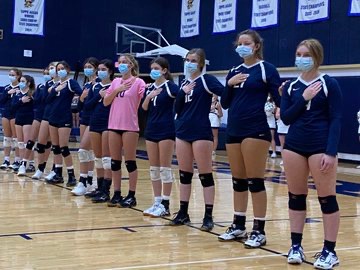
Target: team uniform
100, 113
282, 129
192, 121
85, 113
60, 115
24, 111
47, 100
160, 122
8, 111
124, 108
358, 118
315, 124
246, 115
214, 115
39, 103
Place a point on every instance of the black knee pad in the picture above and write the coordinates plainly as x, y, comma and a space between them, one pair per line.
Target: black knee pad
328, 204
115, 165
297, 202
256, 185
56, 149
131, 165
40, 148
65, 151
186, 177
48, 145
207, 179
30, 144
240, 185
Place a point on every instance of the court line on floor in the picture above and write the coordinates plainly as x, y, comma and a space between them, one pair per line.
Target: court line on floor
214, 260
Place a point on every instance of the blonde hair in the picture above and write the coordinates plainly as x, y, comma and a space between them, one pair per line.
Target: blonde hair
316, 50
135, 67
257, 40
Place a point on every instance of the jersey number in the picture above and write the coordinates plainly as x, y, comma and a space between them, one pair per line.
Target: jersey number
188, 97
154, 101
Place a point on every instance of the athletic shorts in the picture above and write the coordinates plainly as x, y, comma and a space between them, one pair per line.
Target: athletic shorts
24, 121
121, 132
61, 124
85, 121
266, 136
38, 115
282, 129
271, 122
205, 138
214, 120
305, 154
159, 139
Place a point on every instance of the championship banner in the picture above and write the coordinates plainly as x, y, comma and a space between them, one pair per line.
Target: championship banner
312, 10
189, 18
224, 16
29, 17
354, 8
264, 13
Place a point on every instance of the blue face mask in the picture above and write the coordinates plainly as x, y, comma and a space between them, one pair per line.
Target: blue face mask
244, 51
191, 67
155, 74
304, 63
88, 72
52, 72
47, 78
123, 68
22, 85
12, 78
103, 74
62, 73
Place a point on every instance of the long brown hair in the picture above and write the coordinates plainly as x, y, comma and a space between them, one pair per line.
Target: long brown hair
163, 63
257, 40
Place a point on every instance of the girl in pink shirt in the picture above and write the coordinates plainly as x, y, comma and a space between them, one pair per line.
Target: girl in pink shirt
124, 95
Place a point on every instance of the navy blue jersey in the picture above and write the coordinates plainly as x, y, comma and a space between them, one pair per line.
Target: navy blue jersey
160, 120
314, 125
23, 110
94, 103
6, 100
192, 110
246, 115
61, 100
47, 100
85, 113
38, 97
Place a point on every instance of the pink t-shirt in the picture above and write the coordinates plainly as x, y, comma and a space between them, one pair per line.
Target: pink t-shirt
124, 108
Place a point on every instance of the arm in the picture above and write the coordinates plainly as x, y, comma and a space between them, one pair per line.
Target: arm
145, 103
179, 102
75, 87
289, 112
115, 88
218, 107
227, 94
335, 112
92, 99
274, 83
16, 102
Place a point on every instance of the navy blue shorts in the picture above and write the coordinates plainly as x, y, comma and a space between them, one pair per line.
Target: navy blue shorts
160, 138
7, 114
305, 154
266, 136
85, 121
38, 115
205, 138
98, 129
24, 121
61, 124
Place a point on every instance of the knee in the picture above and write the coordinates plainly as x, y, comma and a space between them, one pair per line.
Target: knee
106, 163
256, 185
21, 145
297, 202
328, 204
48, 145
40, 148
131, 165
166, 175
155, 173
83, 155
56, 149
65, 152
115, 165
240, 185
30, 144
186, 177
7, 142
207, 179
99, 163
14, 143
92, 156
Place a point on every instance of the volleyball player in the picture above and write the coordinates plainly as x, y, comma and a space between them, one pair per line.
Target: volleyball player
270, 117
44, 144
248, 134
23, 104
160, 134
358, 118
124, 95
60, 119
194, 139
311, 105
85, 154
8, 120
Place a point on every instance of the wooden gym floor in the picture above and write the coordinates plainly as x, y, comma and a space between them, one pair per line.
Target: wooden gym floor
44, 227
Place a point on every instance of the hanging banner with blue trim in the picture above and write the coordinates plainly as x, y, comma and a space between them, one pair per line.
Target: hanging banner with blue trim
354, 8
312, 10
264, 13
190, 10
224, 16
29, 17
